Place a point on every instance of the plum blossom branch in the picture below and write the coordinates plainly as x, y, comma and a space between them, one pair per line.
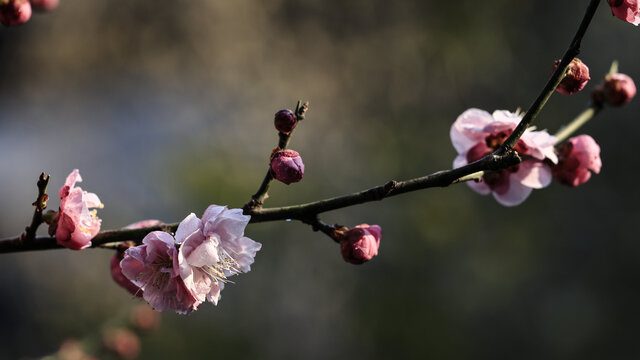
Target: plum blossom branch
503, 158
552, 83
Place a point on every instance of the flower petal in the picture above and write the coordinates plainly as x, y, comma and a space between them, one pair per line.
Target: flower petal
467, 130
534, 174
515, 195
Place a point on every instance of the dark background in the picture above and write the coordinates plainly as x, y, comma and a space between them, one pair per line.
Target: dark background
167, 107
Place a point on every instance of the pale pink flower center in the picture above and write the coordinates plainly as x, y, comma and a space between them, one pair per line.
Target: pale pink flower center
159, 275
225, 267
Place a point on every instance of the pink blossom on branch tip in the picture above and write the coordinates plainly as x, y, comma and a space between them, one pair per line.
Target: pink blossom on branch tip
77, 224
476, 133
579, 156
360, 244
627, 10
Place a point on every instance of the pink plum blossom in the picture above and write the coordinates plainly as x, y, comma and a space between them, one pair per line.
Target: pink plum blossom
153, 267
76, 223
213, 249
627, 10
360, 244
15, 12
577, 157
476, 133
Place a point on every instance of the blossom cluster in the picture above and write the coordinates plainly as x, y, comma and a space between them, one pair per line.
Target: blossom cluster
476, 133
181, 271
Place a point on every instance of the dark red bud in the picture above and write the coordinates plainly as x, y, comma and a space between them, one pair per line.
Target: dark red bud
285, 121
576, 78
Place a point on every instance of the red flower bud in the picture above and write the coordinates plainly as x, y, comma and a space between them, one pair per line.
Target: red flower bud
360, 244
618, 89
285, 121
576, 158
15, 12
576, 78
287, 166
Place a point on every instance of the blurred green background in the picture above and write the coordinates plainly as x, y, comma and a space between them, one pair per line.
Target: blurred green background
167, 107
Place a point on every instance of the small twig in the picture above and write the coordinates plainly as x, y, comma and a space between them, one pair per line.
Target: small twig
552, 83
40, 204
567, 130
319, 225
257, 199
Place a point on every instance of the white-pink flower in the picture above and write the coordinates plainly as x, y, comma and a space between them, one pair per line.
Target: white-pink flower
213, 249
76, 223
477, 133
153, 267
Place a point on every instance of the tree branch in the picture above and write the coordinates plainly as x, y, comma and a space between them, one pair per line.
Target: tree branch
552, 83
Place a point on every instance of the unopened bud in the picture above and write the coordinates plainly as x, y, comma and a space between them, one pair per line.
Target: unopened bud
576, 78
618, 89
15, 12
360, 244
577, 158
285, 120
287, 166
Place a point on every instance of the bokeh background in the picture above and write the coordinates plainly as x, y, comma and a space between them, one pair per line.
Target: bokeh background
167, 107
